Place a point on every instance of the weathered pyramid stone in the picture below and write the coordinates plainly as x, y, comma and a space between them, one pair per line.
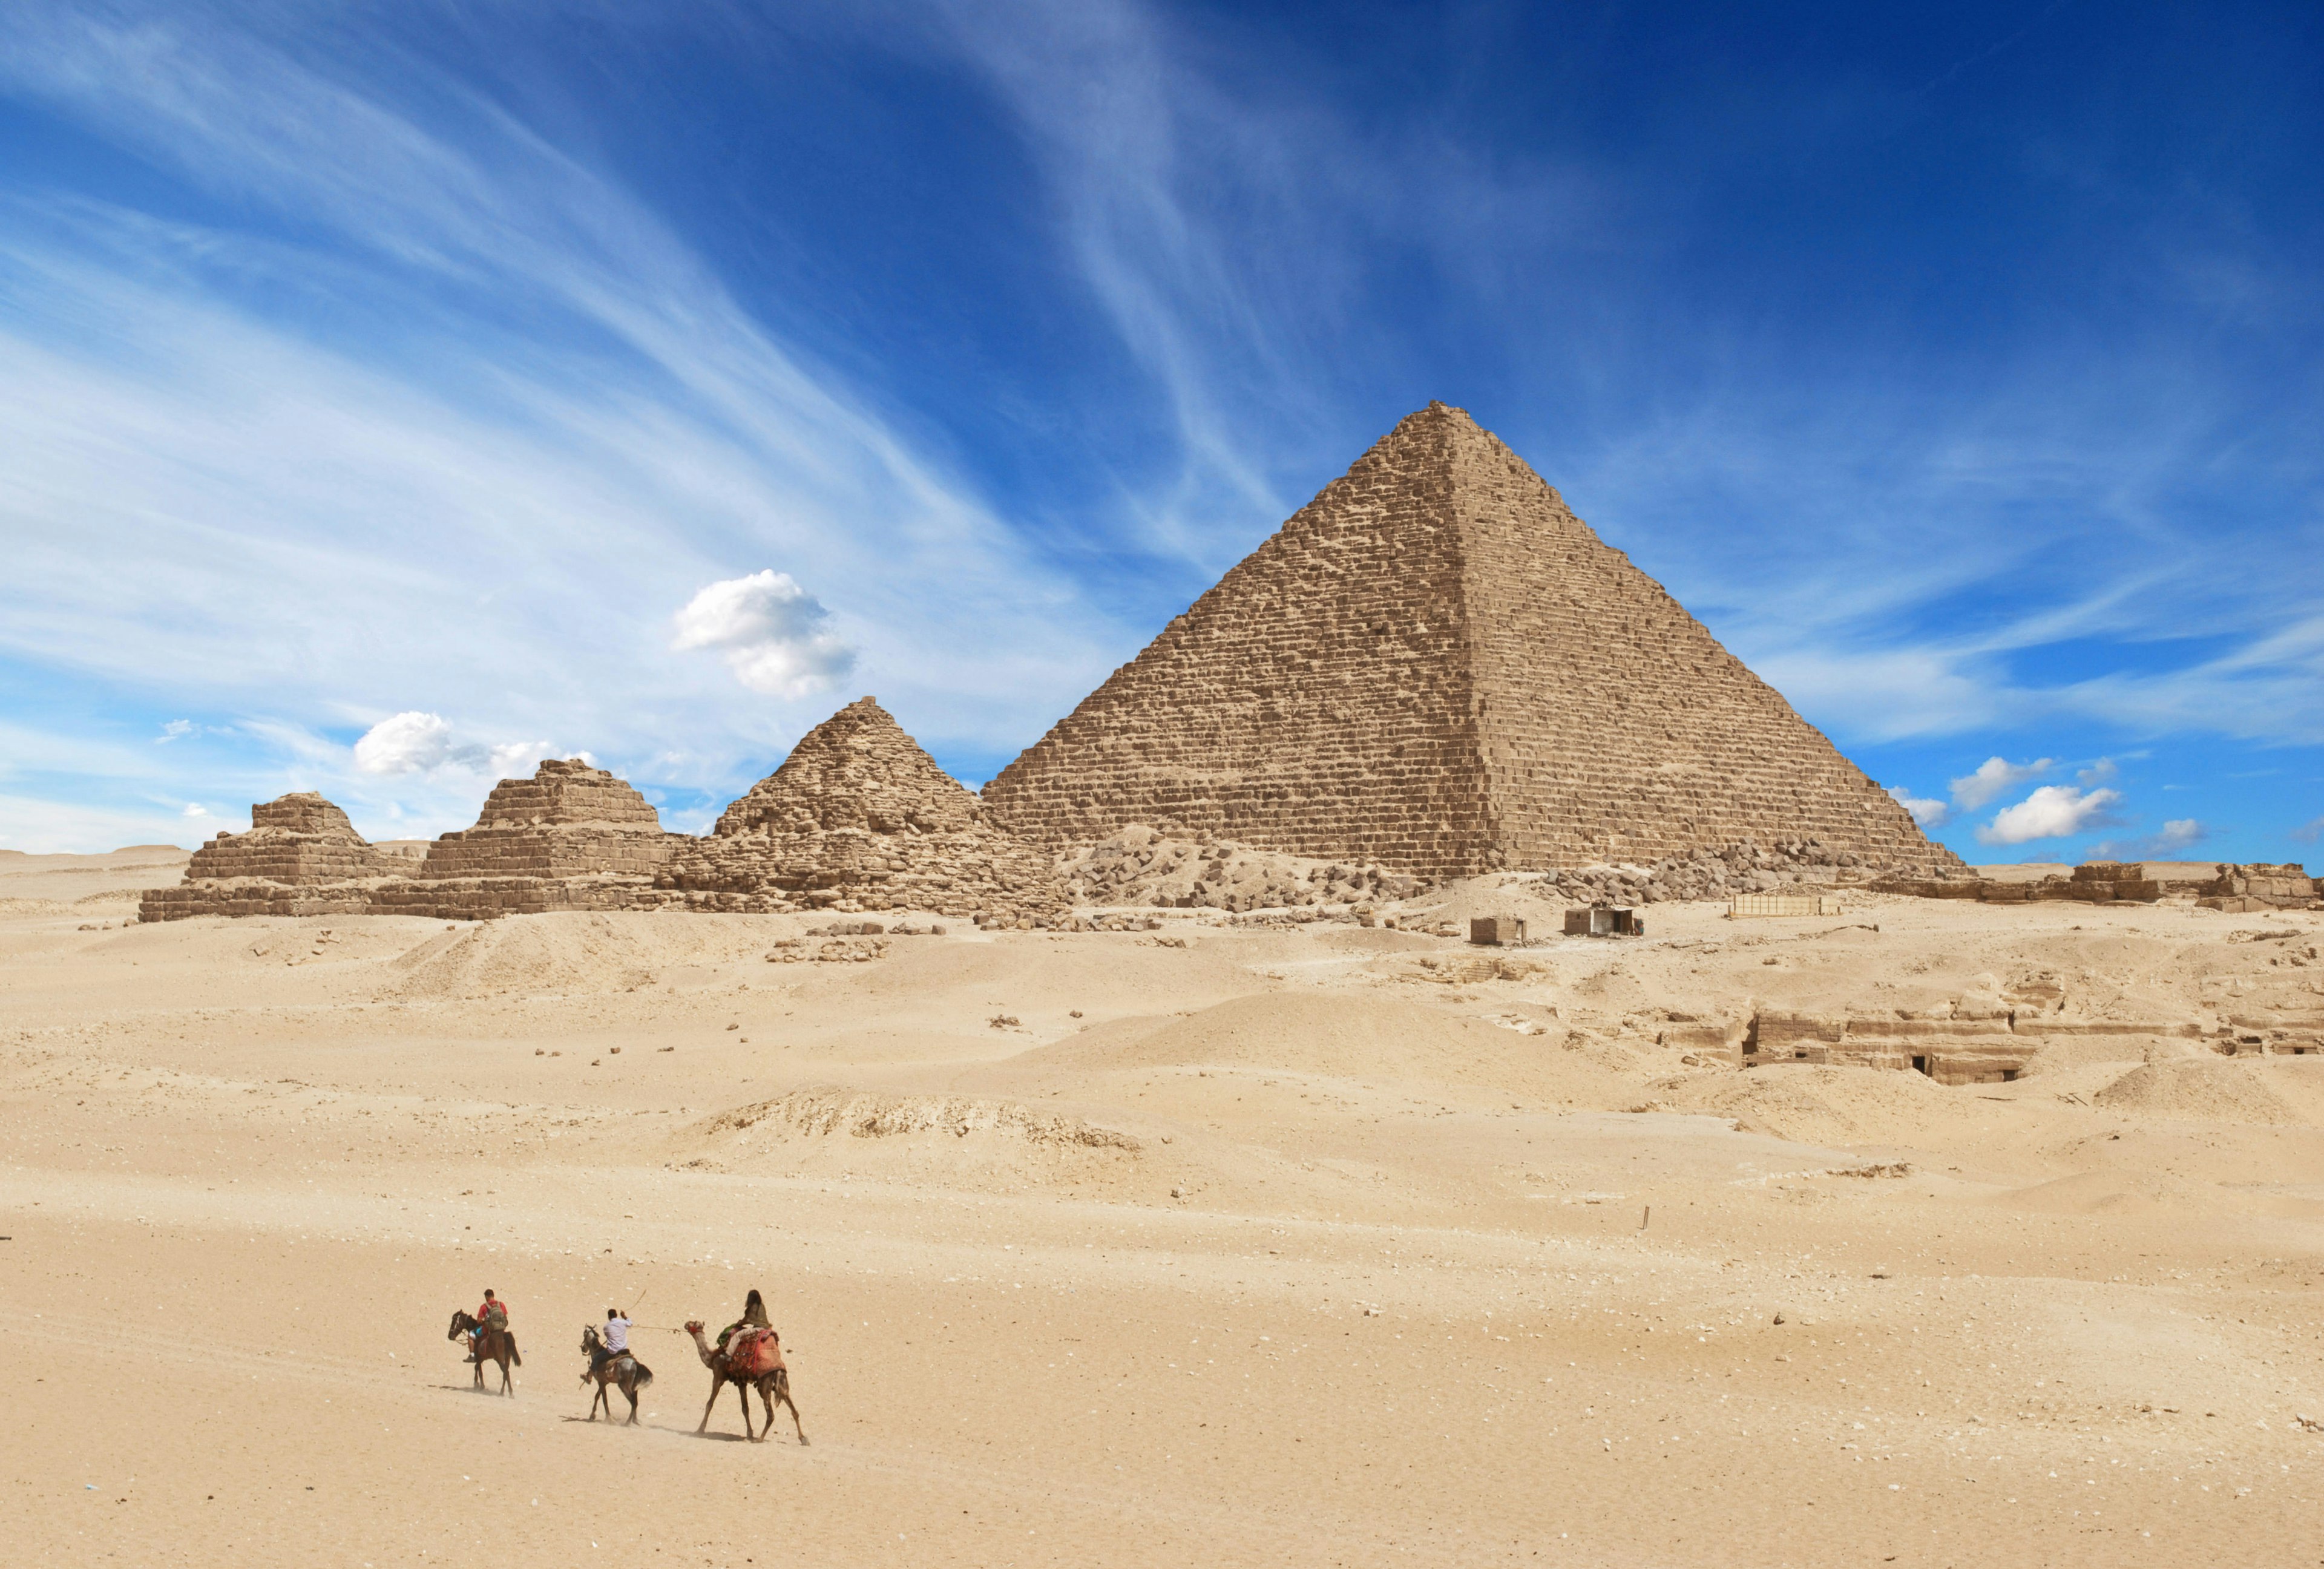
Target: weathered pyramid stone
858, 817
1436, 666
570, 837
301, 856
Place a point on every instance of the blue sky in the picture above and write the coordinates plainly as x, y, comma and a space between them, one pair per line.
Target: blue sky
392, 394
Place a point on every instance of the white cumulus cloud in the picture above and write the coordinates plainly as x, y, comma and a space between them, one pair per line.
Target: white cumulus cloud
1995, 776
772, 631
2176, 836
1927, 812
2182, 833
2051, 812
417, 742
2309, 832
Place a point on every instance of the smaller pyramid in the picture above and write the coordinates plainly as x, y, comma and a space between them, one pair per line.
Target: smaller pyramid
301, 856
570, 837
567, 820
859, 817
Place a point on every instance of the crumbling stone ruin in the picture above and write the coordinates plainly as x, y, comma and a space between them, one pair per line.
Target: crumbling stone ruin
301, 856
570, 837
2226, 888
1434, 666
1143, 867
859, 819
2261, 886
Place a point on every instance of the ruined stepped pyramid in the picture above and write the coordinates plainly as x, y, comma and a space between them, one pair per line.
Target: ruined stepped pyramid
301, 856
570, 837
1436, 666
858, 817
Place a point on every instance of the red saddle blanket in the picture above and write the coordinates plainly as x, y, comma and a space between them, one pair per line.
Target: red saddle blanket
754, 1352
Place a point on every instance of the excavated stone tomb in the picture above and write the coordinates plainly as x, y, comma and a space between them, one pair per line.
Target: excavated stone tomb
1977, 1038
1436, 666
859, 817
301, 856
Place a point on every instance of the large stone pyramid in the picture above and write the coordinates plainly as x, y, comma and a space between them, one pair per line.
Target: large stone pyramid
1435, 664
858, 817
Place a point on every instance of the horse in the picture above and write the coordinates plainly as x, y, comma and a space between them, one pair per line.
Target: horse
496, 1344
624, 1372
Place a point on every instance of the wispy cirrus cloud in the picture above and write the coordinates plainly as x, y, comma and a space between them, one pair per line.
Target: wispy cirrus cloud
306, 455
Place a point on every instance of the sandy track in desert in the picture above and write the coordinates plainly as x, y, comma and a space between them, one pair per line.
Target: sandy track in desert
1272, 1247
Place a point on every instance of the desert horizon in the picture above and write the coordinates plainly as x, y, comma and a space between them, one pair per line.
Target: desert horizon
1299, 1243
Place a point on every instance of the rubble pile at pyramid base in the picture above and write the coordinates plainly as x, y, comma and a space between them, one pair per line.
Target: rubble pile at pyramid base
490, 897
301, 856
859, 819
1171, 868
1743, 867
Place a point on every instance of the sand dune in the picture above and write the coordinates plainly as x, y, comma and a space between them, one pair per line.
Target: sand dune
1213, 1243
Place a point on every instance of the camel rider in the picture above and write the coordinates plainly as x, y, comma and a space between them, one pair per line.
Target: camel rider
493, 1313
754, 1316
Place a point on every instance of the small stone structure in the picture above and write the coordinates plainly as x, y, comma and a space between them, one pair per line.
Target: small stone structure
2229, 888
301, 856
2261, 886
1436, 666
570, 837
857, 819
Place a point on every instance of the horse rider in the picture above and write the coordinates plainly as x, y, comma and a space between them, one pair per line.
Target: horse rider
616, 1342
754, 1316
492, 1312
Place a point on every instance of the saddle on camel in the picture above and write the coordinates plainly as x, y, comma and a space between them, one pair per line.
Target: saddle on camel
749, 1354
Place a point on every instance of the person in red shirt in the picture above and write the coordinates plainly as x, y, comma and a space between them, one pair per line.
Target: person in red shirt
485, 1312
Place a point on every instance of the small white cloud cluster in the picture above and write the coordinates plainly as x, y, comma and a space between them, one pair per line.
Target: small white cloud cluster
772, 631
2181, 834
2051, 812
417, 742
2309, 832
1927, 811
1995, 777
2177, 836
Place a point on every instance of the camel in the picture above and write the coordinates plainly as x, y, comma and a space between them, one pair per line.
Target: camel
764, 1373
495, 1346
624, 1372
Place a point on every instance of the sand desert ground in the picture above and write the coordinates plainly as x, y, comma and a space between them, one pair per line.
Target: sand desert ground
1210, 1244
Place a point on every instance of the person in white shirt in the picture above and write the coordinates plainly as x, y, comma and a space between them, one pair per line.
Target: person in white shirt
617, 1333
